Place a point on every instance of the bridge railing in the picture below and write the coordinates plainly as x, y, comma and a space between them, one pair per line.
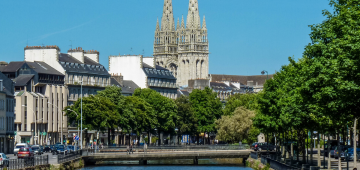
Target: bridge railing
183, 147
70, 156
26, 162
167, 150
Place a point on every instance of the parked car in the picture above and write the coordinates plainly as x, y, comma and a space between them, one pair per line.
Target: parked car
60, 149
4, 160
47, 148
253, 145
37, 149
339, 150
18, 146
25, 152
264, 146
350, 153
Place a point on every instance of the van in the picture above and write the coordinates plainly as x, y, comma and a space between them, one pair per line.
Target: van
18, 146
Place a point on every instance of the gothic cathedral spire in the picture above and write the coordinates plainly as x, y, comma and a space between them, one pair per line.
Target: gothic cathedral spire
167, 20
193, 18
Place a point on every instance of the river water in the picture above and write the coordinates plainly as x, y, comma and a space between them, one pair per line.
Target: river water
167, 167
173, 164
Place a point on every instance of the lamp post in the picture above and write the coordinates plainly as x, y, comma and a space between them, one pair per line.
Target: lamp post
267, 74
60, 122
81, 115
78, 120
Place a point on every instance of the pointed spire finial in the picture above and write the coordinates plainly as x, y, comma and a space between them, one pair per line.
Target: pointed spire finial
178, 24
182, 22
204, 23
157, 25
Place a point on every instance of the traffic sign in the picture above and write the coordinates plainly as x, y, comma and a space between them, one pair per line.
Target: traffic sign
77, 138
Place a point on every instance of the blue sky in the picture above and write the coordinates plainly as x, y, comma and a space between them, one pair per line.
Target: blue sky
245, 37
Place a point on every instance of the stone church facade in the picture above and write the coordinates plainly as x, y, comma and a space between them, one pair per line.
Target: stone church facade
183, 49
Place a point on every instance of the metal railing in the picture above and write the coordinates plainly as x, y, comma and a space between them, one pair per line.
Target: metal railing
182, 149
26, 162
69, 156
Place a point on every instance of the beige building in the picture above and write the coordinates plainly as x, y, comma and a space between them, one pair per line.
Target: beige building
45, 107
183, 49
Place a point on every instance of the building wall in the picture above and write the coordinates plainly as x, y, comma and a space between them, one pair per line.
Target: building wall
48, 55
130, 67
48, 115
93, 56
149, 61
2, 121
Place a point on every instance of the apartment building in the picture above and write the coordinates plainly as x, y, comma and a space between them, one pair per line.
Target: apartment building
6, 114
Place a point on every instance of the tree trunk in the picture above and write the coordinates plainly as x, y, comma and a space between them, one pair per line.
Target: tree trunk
198, 137
338, 140
312, 147
304, 146
354, 141
108, 137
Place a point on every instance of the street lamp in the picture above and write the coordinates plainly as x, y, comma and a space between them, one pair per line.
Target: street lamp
78, 121
60, 122
263, 72
81, 114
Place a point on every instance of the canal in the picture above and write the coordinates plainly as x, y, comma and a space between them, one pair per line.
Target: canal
182, 164
167, 167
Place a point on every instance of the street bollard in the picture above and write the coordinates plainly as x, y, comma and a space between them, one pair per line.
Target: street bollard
329, 161
318, 154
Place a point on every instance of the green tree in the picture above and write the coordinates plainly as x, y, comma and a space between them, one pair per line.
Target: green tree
165, 108
248, 100
186, 119
99, 113
142, 117
236, 127
207, 108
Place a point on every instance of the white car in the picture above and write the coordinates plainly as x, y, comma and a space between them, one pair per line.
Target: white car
4, 161
18, 146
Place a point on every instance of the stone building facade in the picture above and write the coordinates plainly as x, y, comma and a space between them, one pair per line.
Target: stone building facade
183, 49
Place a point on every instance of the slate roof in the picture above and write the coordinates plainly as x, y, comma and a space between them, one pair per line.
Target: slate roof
43, 68
37, 66
159, 72
67, 58
129, 85
72, 65
2, 68
87, 60
23, 79
242, 79
13, 66
219, 86
183, 92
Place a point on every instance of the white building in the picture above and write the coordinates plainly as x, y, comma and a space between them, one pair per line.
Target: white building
144, 73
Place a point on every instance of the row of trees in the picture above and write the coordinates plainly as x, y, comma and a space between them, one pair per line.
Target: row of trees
147, 111
320, 92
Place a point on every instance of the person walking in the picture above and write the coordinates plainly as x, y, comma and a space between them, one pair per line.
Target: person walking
145, 147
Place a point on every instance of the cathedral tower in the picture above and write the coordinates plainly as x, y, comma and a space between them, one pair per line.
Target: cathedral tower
184, 50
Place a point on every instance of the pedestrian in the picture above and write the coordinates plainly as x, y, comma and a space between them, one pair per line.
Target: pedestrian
131, 149
145, 147
355, 169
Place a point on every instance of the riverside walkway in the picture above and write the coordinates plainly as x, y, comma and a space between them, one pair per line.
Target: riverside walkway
162, 153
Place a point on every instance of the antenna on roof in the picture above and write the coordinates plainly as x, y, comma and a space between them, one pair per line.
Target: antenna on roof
131, 50
71, 47
143, 52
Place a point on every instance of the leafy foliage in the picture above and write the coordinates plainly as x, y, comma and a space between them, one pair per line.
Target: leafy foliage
207, 108
235, 128
186, 119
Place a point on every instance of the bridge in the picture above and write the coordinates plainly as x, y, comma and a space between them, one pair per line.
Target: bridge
92, 157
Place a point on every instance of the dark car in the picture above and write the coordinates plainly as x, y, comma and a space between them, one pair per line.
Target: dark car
341, 149
47, 148
60, 149
263, 146
37, 149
